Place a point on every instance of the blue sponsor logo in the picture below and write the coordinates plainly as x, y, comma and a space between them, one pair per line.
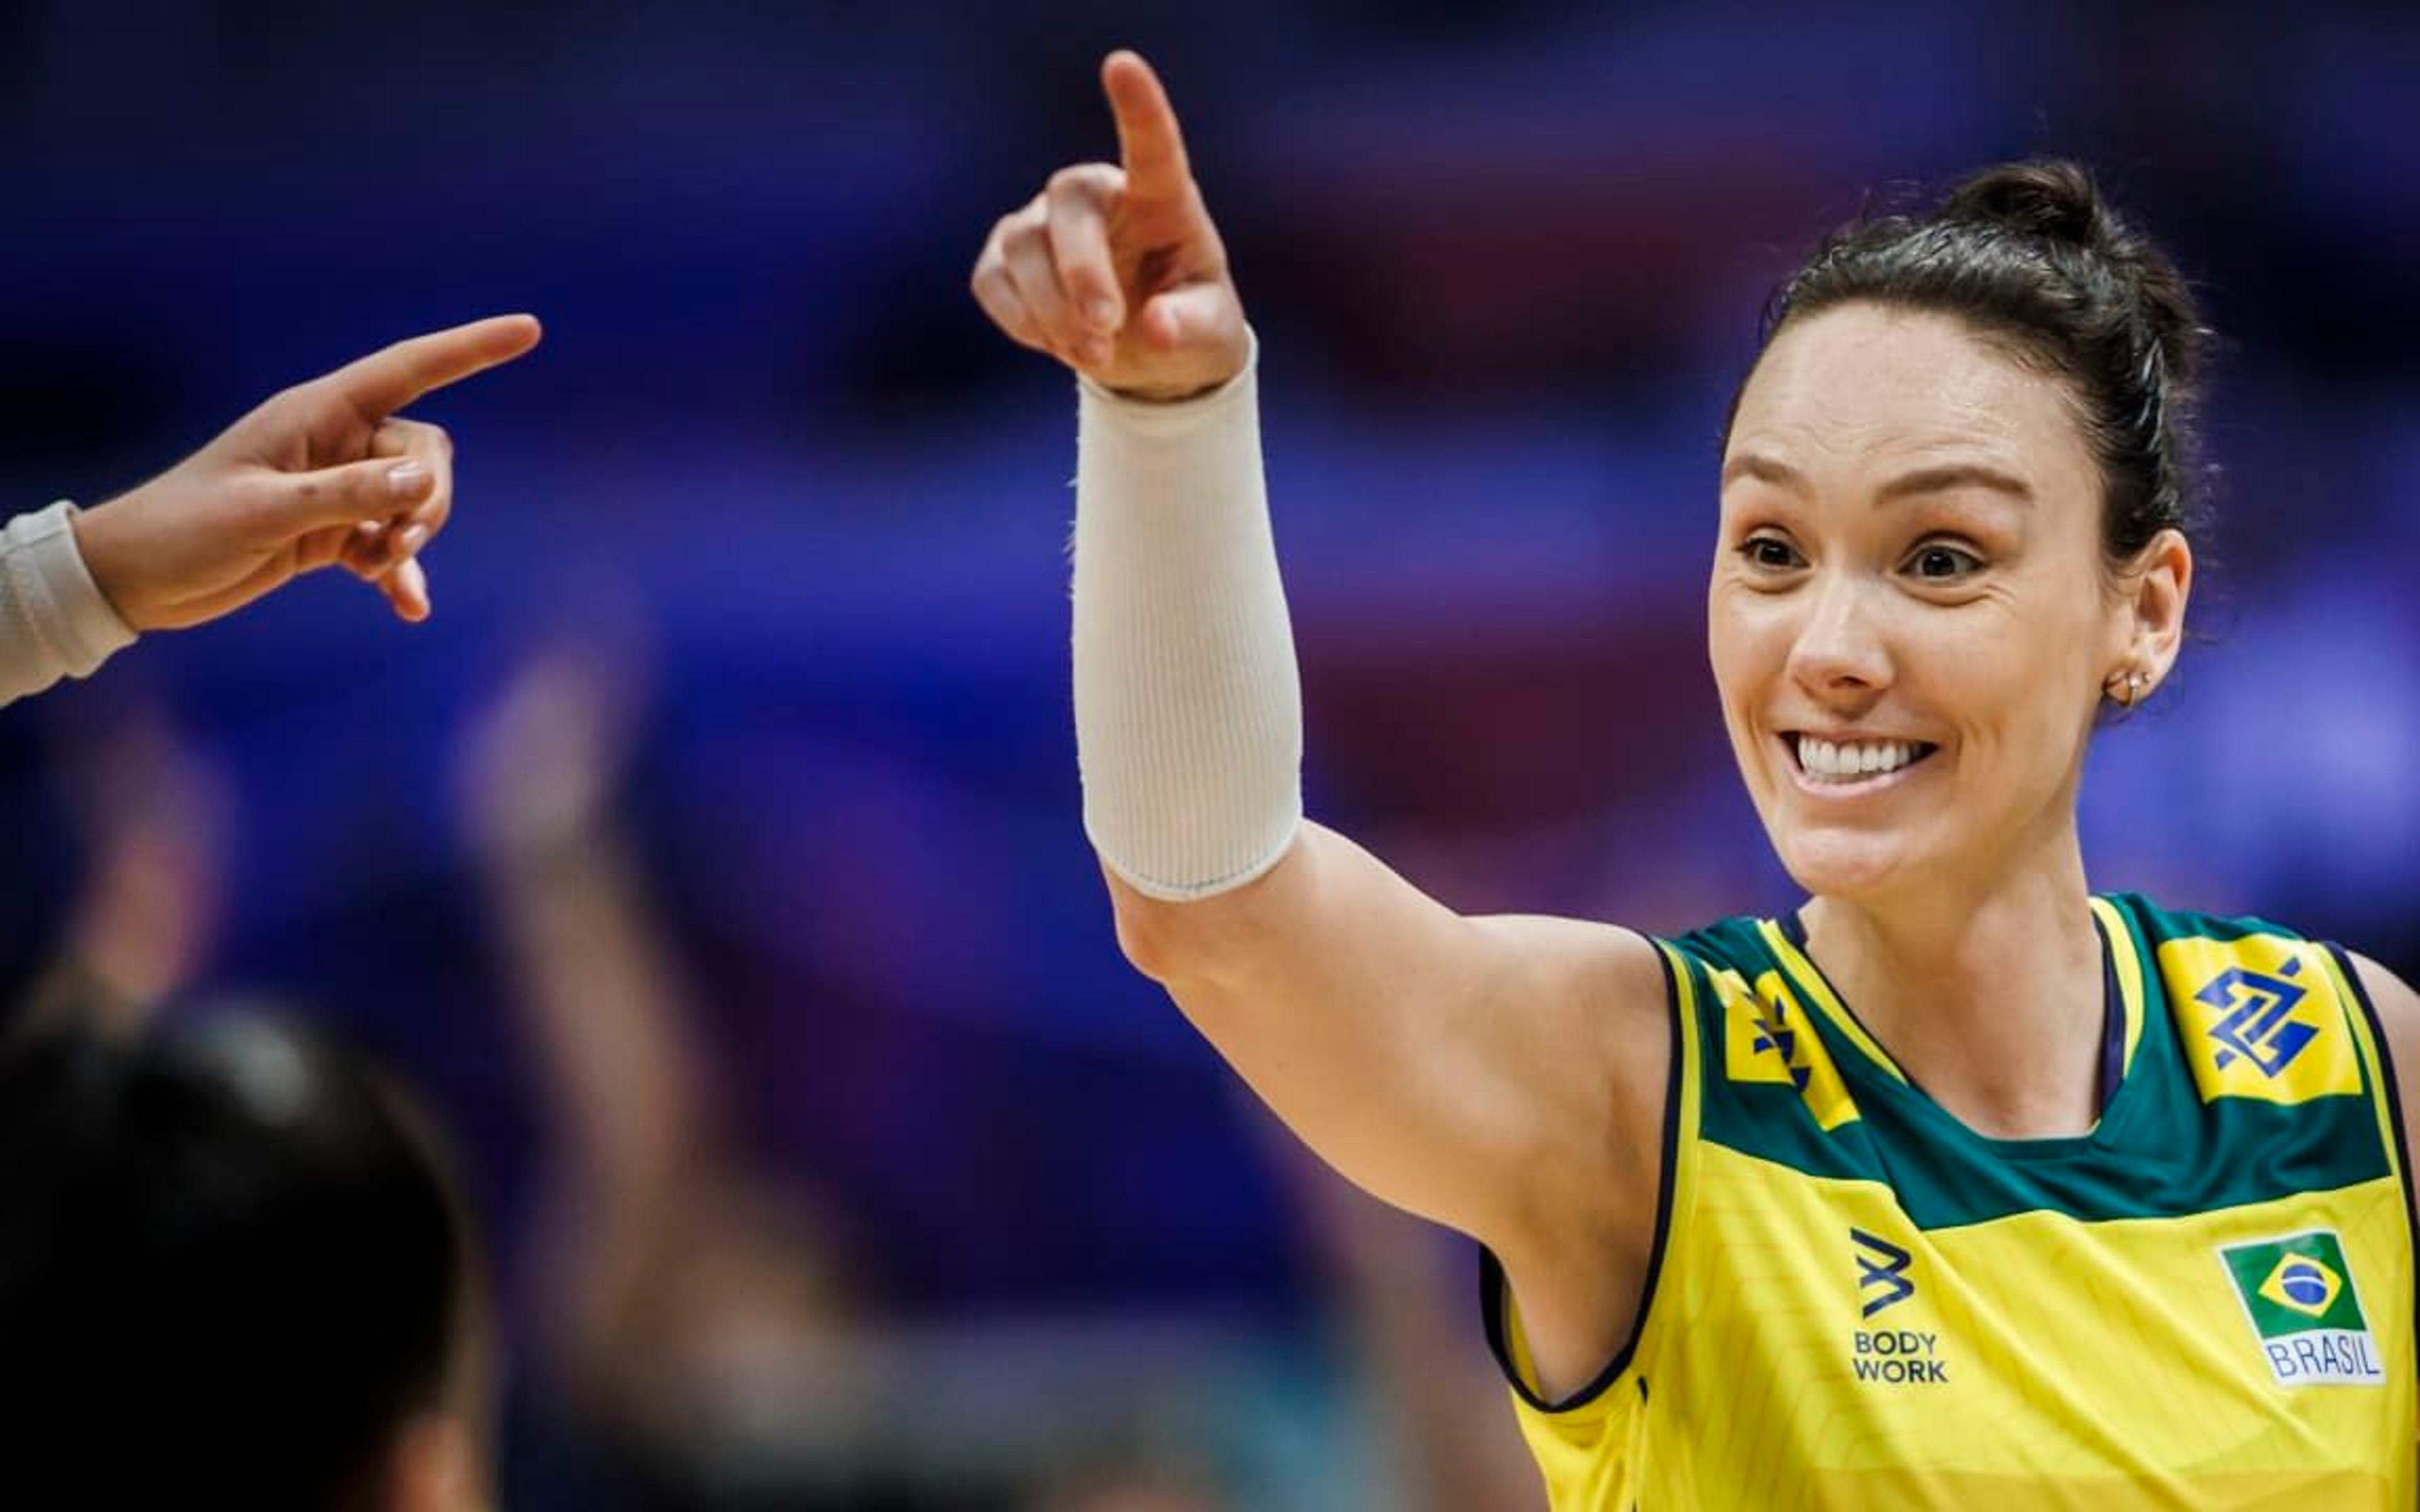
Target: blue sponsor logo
1884, 1264
1773, 1032
2259, 1025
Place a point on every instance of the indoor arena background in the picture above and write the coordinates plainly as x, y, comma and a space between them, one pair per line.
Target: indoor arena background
871, 1177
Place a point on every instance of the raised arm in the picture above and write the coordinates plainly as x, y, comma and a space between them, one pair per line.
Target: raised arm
1504, 1076
154, 815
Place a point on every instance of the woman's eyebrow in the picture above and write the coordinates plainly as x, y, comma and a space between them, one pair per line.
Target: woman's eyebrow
1940, 478
1764, 469
1955, 475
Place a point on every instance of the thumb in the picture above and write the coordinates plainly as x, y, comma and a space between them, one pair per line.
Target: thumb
368, 490
1195, 314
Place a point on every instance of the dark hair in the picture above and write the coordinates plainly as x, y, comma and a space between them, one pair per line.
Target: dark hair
230, 1271
2033, 259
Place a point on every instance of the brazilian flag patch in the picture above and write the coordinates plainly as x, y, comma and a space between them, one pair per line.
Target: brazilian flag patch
2307, 1317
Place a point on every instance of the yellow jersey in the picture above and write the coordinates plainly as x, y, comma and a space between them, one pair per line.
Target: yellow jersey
1857, 1302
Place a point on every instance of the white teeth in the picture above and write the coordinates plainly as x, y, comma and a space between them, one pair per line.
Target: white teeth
1852, 760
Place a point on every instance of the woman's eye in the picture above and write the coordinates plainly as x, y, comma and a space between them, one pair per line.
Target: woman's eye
1770, 552
1939, 561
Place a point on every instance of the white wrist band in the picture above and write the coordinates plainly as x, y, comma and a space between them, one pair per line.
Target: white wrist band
54, 621
1188, 705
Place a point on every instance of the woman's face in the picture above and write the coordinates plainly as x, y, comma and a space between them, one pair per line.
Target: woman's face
1909, 619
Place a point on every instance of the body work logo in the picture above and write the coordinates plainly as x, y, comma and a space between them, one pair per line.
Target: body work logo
2299, 1294
1881, 1272
2259, 1024
1891, 1356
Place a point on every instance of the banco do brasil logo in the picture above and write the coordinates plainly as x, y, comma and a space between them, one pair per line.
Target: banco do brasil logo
2259, 1025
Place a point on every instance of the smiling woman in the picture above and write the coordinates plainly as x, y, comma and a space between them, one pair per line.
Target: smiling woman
2084, 1201
1912, 548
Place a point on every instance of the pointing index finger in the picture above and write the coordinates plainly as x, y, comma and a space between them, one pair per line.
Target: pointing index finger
1150, 145
386, 380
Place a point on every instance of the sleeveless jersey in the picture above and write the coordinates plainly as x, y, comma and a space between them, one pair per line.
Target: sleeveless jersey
1857, 1302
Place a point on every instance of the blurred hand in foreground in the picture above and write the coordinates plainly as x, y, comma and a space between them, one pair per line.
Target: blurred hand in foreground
538, 768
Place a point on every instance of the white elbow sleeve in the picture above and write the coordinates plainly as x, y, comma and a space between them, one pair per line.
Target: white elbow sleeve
1188, 705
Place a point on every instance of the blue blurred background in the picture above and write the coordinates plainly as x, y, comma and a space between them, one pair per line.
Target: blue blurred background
711, 860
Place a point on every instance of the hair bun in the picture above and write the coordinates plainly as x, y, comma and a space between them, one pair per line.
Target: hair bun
2055, 202
2050, 198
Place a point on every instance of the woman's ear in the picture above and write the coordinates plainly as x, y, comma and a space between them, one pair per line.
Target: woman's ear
2156, 588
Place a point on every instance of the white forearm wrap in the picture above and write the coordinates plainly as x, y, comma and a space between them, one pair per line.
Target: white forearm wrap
54, 621
1188, 705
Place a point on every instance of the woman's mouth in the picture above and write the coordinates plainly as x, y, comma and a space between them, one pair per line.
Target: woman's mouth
1853, 763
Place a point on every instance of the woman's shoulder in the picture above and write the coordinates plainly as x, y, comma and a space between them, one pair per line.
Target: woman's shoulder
1744, 943
2237, 963
2210, 956
2159, 923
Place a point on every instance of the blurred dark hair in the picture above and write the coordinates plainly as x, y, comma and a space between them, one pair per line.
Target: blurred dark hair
231, 1269
2033, 259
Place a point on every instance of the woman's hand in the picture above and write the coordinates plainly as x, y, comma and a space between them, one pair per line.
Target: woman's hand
1116, 269
321, 474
